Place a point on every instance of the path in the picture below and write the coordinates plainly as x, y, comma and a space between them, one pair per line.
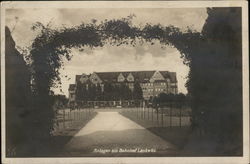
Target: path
111, 134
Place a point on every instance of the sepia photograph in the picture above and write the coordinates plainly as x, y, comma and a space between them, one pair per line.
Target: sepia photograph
83, 81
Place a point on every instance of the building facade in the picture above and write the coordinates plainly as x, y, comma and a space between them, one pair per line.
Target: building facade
152, 82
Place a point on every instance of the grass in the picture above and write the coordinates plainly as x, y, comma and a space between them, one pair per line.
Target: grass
176, 135
62, 136
189, 143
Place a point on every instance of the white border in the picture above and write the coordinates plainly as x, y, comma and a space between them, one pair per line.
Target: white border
135, 4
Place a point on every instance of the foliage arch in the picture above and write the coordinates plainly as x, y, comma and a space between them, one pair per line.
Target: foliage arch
52, 45
202, 52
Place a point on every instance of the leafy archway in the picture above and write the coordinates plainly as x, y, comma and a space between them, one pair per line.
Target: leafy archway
203, 52
52, 45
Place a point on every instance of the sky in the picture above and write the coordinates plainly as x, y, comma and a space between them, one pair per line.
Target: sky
110, 58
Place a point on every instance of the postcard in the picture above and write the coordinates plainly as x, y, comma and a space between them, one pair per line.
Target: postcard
125, 82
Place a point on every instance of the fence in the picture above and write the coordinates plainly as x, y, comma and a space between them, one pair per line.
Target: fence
105, 104
68, 119
165, 116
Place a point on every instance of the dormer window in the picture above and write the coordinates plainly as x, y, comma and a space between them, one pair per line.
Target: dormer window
130, 77
121, 78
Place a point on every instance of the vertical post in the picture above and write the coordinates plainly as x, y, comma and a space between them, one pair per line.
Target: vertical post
157, 112
81, 113
148, 112
170, 115
85, 113
136, 112
180, 114
162, 117
74, 116
63, 118
71, 120
68, 123
144, 110
141, 107
89, 113
78, 114
152, 114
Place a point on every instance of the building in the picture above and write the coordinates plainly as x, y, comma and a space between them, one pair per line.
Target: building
152, 82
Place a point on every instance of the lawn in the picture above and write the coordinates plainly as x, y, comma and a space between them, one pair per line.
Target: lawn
67, 125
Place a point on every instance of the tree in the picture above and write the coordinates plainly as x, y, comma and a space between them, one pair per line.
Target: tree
98, 92
61, 99
215, 78
84, 93
108, 89
137, 92
19, 114
92, 92
125, 92
79, 91
222, 31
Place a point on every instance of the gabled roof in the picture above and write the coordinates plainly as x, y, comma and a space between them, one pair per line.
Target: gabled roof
169, 75
140, 76
72, 87
78, 77
143, 76
108, 76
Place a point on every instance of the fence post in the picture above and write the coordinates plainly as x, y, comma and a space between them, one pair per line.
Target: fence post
76, 114
148, 112
74, 117
162, 117
142, 112
81, 114
71, 120
63, 118
89, 113
170, 115
85, 112
180, 114
137, 112
157, 111
152, 114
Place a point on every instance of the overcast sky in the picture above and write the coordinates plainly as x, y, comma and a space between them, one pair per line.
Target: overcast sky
109, 58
